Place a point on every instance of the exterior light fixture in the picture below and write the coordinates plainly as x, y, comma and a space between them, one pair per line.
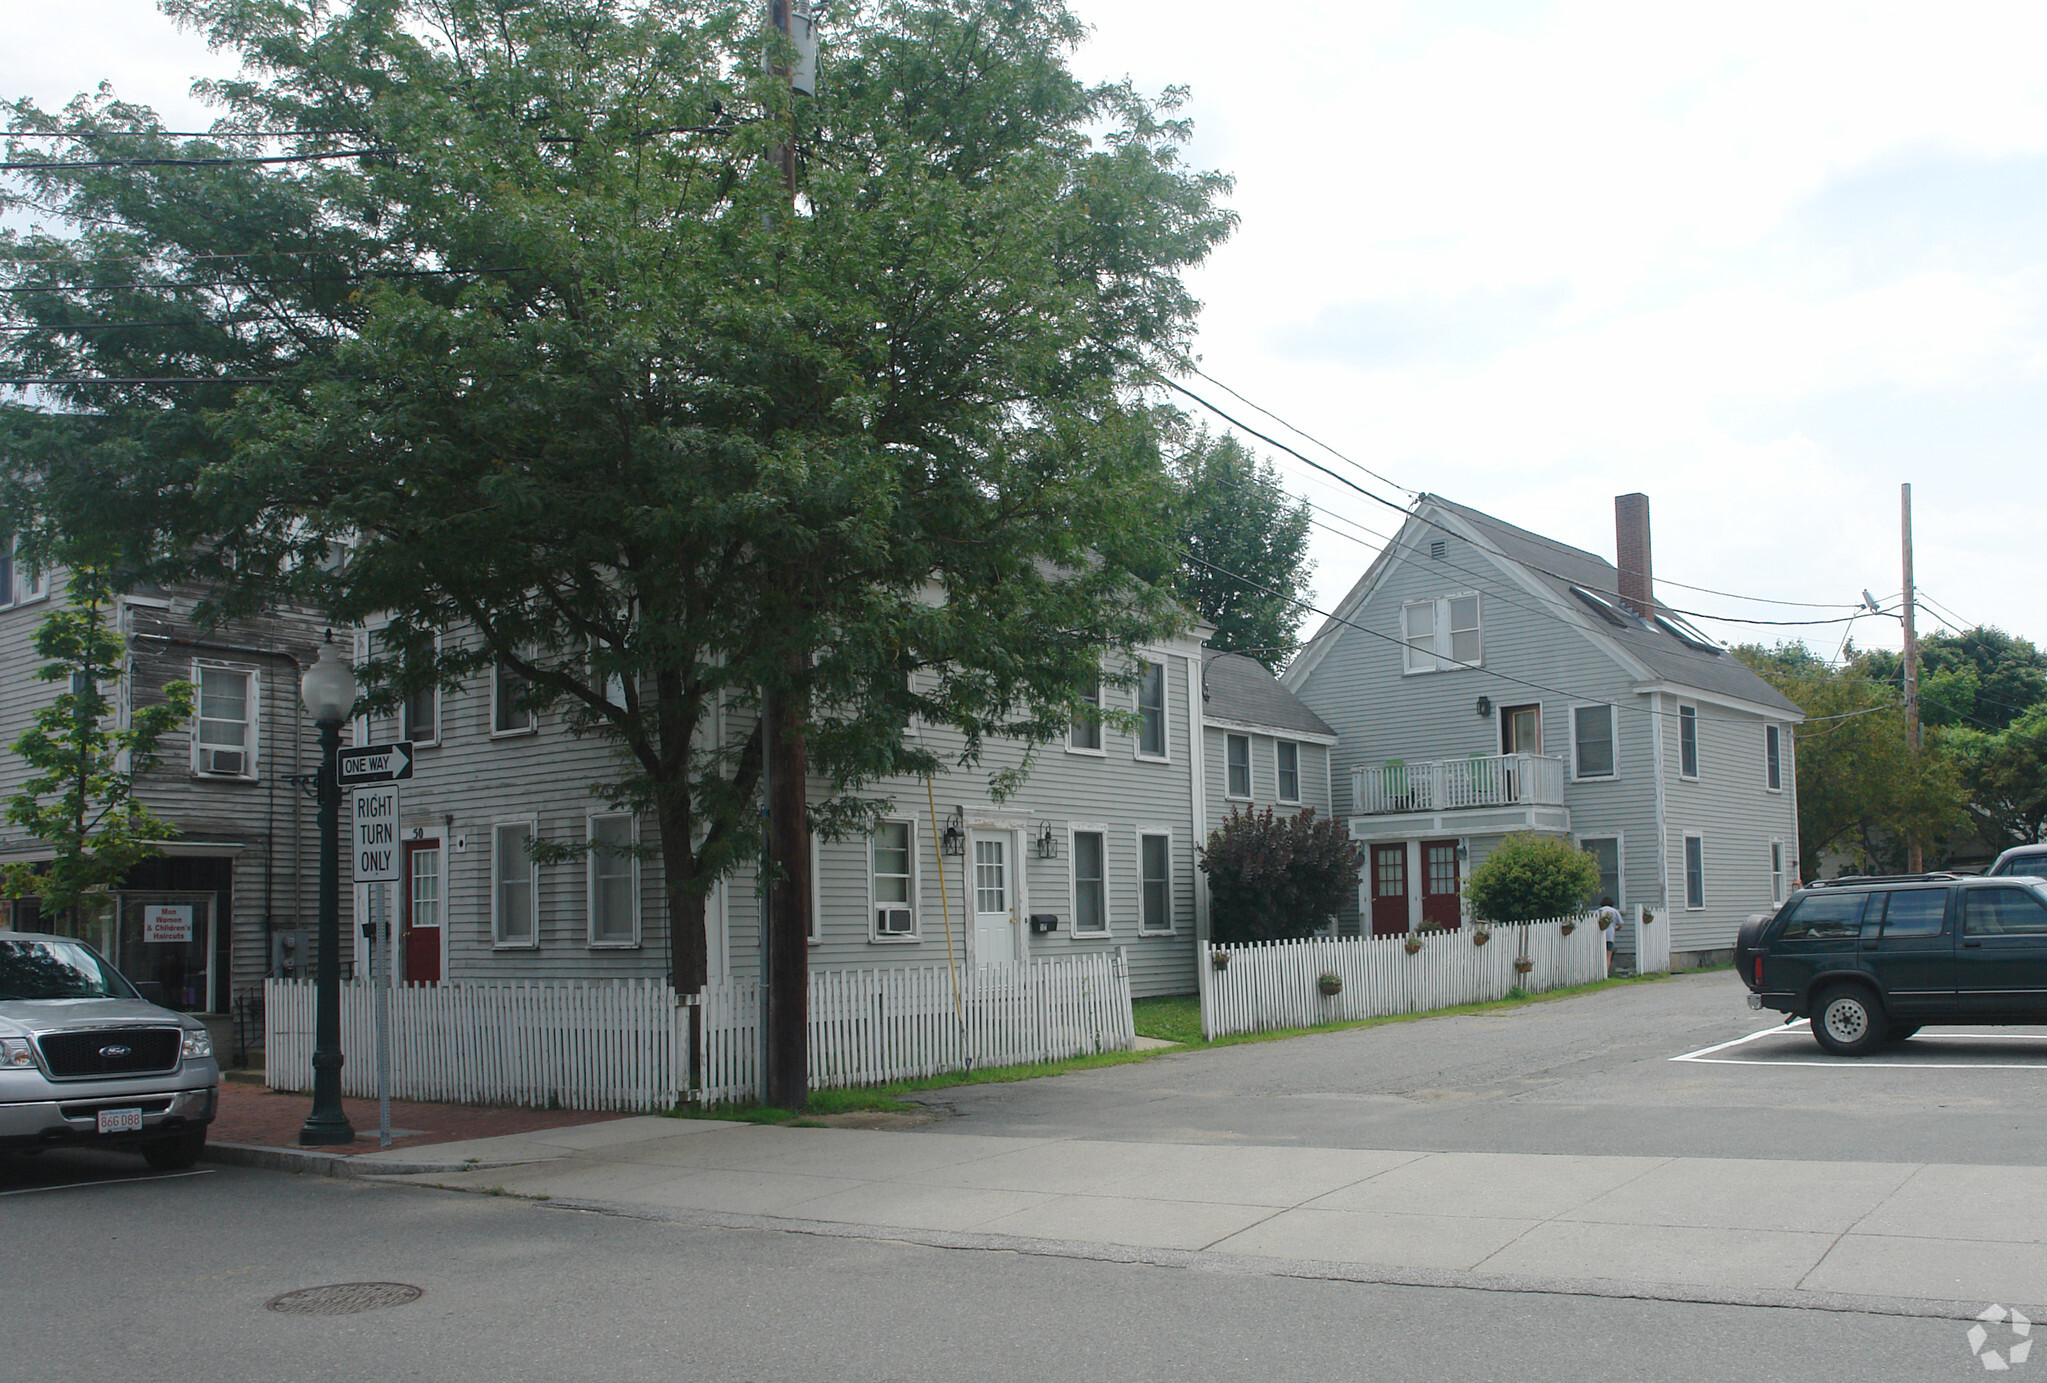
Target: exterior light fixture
953, 840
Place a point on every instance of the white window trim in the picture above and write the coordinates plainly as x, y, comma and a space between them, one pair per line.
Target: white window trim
404, 730
1172, 922
532, 726
1685, 870
252, 733
1571, 727
1442, 658
1279, 780
1769, 729
1698, 751
1101, 748
532, 825
1779, 869
15, 594
916, 889
1250, 791
1620, 860
816, 936
590, 821
1108, 927
1165, 667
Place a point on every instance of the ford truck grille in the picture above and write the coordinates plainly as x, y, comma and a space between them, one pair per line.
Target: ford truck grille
111, 1051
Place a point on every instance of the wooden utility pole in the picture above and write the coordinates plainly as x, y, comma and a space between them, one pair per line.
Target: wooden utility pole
1915, 856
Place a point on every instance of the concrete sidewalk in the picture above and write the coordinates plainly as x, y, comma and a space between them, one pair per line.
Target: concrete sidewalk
1721, 1229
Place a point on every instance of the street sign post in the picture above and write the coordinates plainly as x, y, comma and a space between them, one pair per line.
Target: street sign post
373, 763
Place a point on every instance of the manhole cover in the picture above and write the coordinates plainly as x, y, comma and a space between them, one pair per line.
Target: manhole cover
344, 1298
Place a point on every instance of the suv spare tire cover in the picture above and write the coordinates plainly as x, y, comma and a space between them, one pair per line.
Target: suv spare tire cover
1745, 946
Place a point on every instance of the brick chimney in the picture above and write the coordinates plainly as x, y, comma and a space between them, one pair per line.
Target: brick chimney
1631, 553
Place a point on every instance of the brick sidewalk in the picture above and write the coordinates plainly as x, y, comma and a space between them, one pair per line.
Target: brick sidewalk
267, 1118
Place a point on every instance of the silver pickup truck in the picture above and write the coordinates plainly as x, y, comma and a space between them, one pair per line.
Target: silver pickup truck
86, 1059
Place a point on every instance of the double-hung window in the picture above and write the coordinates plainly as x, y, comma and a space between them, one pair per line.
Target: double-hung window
1592, 741
515, 885
224, 730
1441, 634
1155, 882
1688, 741
509, 715
613, 881
1090, 884
1289, 770
19, 582
1151, 710
1695, 872
1237, 752
1776, 871
891, 855
1773, 758
1085, 736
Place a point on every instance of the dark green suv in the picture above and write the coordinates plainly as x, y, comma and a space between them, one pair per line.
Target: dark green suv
1869, 960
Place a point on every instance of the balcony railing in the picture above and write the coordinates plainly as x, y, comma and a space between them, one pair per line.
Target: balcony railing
1435, 785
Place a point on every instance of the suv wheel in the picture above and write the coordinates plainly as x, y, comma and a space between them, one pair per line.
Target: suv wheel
1848, 1021
175, 1154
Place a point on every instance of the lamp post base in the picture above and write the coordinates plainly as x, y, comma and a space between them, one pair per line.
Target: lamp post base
326, 1133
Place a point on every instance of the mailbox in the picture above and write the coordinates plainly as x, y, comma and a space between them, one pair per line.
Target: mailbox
1042, 922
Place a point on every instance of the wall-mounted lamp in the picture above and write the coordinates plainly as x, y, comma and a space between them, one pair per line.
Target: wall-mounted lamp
1048, 843
1485, 706
953, 839
1463, 850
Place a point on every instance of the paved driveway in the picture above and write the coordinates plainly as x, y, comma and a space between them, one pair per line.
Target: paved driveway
1587, 1075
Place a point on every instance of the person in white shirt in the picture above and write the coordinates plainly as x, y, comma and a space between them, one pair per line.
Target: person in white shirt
1609, 919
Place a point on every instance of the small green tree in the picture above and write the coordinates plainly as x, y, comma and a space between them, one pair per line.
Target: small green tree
1246, 538
82, 800
1276, 878
1530, 877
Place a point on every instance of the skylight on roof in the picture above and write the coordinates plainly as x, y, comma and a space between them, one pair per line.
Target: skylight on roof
1600, 607
1685, 634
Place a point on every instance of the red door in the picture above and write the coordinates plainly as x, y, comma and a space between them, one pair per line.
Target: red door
421, 896
1389, 889
1440, 883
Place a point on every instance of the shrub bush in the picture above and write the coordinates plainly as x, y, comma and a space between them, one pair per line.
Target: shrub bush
1277, 878
1532, 877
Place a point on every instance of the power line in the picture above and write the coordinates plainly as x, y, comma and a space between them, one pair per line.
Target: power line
22, 381
159, 162
1386, 480
365, 275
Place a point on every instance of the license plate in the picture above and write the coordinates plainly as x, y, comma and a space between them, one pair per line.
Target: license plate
120, 1121
1755, 1001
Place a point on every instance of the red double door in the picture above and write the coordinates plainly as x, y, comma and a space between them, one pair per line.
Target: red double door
1442, 884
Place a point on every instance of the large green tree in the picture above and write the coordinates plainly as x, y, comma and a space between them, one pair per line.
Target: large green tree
1245, 539
1981, 678
81, 800
535, 342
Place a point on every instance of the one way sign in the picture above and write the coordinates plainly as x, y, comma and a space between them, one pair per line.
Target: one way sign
373, 763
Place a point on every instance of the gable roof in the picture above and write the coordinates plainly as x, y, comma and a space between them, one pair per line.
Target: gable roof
1654, 644
1239, 690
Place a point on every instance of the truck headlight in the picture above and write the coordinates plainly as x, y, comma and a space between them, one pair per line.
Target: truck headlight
14, 1051
198, 1043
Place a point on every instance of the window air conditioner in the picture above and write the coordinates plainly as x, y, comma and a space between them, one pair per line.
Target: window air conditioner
222, 763
892, 921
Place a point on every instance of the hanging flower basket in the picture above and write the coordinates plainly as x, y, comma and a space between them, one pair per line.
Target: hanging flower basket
1331, 984
1414, 943
1219, 959
1522, 965
1605, 922
1569, 927
1480, 936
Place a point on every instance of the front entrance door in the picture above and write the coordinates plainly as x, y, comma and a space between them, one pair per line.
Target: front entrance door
419, 913
1441, 885
1389, 889
994, 902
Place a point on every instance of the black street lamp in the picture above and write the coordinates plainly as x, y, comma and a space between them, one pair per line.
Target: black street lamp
328, 689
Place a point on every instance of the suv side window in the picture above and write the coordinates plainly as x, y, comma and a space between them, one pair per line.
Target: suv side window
1914, 912
2003, 912
1824, 917
2023, 864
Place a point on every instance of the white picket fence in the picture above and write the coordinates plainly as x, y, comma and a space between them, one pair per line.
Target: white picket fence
1269, 985
1652, 940
621, 1044
869, 1026
625, 1044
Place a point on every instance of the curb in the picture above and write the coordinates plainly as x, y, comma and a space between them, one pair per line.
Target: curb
306, 1162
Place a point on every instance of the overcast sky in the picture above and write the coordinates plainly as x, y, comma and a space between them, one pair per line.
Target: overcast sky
1761, 261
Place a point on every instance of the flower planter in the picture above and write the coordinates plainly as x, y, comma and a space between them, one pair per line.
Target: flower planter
1219, 959
1330, 985
1522, 965
1569, 927
1414, 944
1481, 936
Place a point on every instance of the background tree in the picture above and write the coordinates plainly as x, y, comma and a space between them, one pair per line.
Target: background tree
1981, 678
537, 337
1247, 538
1275, 878
81, 801
1529, 878
2004, 774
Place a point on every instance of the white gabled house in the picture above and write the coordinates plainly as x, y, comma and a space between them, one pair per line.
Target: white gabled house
1482, 680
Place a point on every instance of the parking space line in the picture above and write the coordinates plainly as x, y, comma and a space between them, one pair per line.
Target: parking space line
1706, 1055
109, 1181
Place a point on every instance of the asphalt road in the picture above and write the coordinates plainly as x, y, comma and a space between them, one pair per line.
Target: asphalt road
114, 1275
1590, 1074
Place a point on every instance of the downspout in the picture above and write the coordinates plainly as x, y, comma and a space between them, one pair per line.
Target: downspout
1662, 807
1197, 694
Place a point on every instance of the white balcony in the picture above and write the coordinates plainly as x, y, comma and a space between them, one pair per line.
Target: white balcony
1449, 785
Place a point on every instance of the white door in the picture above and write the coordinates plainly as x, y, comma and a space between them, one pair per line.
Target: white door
994, 902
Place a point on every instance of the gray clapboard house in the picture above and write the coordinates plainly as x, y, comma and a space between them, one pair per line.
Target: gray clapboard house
1266, 749
1095, 851
1482, 679
233, 896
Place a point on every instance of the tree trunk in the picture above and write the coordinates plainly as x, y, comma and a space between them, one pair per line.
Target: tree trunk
787, 1051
